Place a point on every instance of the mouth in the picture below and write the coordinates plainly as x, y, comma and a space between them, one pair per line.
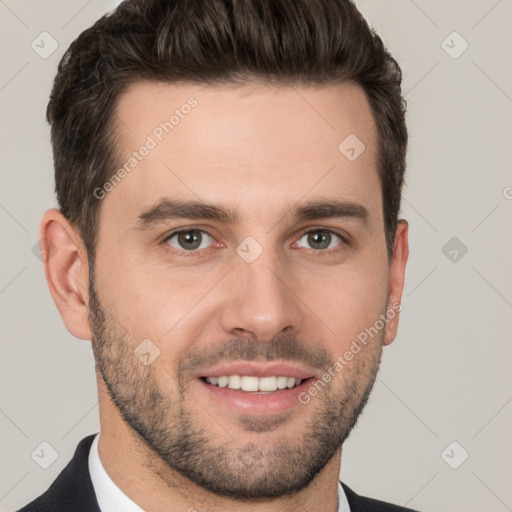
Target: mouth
253, 384
254, 390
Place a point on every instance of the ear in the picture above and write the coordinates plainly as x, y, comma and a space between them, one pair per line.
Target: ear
67, 271
397, 279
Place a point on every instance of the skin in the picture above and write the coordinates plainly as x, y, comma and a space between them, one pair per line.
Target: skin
259, 150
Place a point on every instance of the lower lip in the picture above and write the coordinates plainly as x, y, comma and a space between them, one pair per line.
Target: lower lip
261, 404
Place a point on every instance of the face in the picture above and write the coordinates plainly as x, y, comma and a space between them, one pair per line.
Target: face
265, 282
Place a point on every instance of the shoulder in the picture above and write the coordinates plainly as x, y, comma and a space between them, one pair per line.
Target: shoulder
72, 490
361, 504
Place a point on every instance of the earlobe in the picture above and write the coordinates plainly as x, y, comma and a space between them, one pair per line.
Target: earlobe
67, 271
396, 279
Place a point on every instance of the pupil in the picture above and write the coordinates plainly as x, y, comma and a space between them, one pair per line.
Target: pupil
321, 238
189, 239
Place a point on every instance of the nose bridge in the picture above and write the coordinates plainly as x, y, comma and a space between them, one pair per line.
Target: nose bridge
261, 301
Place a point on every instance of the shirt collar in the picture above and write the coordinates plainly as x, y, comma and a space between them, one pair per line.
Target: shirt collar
112, 499
343, 505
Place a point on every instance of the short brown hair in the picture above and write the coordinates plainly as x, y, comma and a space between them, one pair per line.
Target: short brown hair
284, 42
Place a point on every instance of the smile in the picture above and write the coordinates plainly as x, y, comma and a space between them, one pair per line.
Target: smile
252, 384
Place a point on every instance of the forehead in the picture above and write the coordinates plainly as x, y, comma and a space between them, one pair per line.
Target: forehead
243, 146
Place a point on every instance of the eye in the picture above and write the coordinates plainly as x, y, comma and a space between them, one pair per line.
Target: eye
321, 239
189, 239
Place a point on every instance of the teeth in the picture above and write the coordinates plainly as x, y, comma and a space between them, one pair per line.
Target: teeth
269, 383
254, 384
249, 383
235, 382
282, 382
222, 382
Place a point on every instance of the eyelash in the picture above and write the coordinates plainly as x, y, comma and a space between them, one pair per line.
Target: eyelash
315, 252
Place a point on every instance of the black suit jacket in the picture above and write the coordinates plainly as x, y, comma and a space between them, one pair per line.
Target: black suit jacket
72, 490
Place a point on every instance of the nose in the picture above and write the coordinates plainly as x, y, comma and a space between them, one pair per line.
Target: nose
260, 300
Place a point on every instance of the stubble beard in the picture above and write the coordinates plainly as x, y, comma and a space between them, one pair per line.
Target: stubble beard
261, 465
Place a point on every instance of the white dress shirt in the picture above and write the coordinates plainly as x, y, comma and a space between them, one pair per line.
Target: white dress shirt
112, 499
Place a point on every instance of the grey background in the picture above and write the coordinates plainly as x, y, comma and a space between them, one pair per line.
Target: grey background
447, 376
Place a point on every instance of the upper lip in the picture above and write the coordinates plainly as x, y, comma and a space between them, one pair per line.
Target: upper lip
269, 369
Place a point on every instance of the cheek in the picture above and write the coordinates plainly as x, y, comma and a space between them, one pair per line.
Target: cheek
160, 305
347, 302
139, 302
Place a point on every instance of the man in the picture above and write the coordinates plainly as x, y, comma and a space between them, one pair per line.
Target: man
229, 177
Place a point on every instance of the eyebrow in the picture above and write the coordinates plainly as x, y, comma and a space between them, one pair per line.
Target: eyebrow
167, 209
